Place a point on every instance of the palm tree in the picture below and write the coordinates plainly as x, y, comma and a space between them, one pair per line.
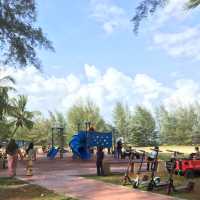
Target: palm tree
4, 98
22, 117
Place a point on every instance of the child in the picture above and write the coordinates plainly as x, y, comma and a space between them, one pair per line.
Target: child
30, 153
99, 161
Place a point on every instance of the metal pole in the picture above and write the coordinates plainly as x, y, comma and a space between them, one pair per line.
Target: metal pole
78, 126
61, 142
114, 141
52, 142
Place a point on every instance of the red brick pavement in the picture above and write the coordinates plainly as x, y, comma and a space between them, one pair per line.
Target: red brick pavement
64, 177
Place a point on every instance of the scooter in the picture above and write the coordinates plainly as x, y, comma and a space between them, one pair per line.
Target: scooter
171, 168
138, 181
155, 182
127, 179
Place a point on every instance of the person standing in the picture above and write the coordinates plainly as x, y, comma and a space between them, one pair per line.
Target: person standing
12, 150
99, 161
151, 160
119, 149
30, 153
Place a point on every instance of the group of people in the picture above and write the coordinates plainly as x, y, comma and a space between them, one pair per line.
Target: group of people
122, 153
13, 153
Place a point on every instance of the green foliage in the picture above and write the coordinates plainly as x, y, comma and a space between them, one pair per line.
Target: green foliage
180, 125
82, 112
39, 134
149, 7
121, 119
4, 98
20, 116
193, 3
144, 9
18, 34
5, 129
59, 120
143, 127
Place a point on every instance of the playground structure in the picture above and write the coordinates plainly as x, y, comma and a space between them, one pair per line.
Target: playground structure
82, 141
58, 131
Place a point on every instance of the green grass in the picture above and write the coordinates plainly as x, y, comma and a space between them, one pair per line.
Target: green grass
27, 192
10, 181
117, 179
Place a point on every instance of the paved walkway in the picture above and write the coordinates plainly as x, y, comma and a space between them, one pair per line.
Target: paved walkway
65, 177
87, 189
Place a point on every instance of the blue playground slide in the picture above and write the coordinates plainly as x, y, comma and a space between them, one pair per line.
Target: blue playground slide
78, 145
52, 152
82, 141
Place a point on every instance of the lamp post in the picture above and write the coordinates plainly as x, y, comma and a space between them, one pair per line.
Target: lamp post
87, 128
52, 138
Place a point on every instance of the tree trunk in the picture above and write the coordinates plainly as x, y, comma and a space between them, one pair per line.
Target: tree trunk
15, 130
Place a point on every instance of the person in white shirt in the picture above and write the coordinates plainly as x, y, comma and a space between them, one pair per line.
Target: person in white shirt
151, 159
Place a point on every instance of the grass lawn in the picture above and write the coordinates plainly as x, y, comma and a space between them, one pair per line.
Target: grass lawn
13, 189
116, 179
164, 155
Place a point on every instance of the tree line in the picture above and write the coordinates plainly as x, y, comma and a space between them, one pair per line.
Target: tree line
138, 127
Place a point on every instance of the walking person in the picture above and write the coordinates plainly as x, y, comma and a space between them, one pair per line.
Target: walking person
30, 153
99, 161
12, 150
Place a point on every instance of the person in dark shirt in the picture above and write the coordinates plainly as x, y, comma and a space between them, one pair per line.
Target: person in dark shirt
119, 149
99, 161
12, 150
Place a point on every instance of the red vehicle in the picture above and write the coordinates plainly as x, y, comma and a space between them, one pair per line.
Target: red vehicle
187, 167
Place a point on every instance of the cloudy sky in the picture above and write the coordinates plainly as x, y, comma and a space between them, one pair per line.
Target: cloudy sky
98, 56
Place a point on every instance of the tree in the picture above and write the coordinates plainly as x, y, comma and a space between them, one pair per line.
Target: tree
121, 118
143, 127
39, 134
167, 126
4, 98
58, 119
193, 3
81, 112
21, 117
149, 7
179, 125
18, 34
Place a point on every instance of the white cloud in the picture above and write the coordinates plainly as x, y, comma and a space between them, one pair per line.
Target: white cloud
174, 11
185, 43
91, 72
186, 92
109, 15
105, 89
171, 34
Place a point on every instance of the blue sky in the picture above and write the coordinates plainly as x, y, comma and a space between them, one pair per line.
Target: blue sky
79, 38
98, 56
